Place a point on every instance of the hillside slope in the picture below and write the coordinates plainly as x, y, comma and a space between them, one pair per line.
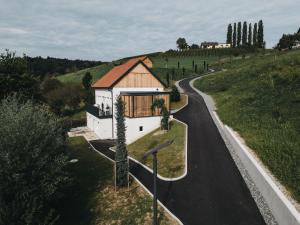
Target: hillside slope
76, 77
260, 98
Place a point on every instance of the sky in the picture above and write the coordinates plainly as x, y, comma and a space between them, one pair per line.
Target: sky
111, 29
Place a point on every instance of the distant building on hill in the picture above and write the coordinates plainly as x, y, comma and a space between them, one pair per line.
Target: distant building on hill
210, 45
296, 44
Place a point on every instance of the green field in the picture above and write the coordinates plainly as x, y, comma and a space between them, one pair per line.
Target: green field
260, 98
92, 198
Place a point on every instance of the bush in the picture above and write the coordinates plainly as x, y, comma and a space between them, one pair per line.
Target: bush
175, 95
32, 162
50, 84
67, 96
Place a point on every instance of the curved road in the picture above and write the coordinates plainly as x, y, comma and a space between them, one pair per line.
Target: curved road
213, 192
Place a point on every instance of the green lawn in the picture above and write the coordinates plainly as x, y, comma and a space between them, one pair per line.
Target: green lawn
92, 199
76, 77
260, 98
179, 104
171, 160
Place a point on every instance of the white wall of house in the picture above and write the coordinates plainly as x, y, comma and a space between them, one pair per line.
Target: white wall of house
102, 127
103, 96
133, 125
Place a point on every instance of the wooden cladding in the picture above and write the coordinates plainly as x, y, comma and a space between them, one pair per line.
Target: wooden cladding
140, 106
139, 77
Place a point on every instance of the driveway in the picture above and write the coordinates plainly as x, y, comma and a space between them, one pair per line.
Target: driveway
213, 192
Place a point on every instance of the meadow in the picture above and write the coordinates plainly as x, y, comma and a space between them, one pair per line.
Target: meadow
259, 97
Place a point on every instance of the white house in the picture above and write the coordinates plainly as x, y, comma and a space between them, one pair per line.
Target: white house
139, 87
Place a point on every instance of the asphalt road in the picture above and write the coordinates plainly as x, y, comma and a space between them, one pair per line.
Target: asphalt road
213, 192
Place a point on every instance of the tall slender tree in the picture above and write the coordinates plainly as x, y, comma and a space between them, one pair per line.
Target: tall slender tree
298, 31
121, 169
234, 36
229, 34
239, 34
254, 39
260, 34
244, 37
250, 35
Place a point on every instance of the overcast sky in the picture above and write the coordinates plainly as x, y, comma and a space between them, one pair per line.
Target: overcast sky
111, 29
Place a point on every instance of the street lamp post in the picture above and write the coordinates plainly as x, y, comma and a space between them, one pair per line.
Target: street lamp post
153, 152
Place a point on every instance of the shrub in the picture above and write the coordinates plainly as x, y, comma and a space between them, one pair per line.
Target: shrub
32, 162
175, 95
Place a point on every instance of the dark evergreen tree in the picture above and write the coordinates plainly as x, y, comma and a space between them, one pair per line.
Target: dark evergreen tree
260, 34
121, 169
244, 37
254, 39
183, 71
87, 80
239, 34
250, 35
193, 63
229, 34
196, 68
175, 95
298, 31
234, 36
168, 79
178, 64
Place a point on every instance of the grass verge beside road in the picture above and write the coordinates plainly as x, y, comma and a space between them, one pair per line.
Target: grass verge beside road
179, 104
92, 198
171, 160
260, 98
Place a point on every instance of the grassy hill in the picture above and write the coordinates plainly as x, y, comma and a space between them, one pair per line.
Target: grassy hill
76, 77
160, 67
260, 98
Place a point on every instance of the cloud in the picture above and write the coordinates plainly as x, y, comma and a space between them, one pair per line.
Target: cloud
106, 30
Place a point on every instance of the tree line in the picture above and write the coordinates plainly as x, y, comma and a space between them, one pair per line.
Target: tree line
288, 41
244, 35
39, 66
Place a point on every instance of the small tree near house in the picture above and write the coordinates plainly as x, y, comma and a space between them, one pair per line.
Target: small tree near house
121, 156
175, 95
160, 104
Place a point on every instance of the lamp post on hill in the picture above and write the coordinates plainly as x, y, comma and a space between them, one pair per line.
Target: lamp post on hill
153, 152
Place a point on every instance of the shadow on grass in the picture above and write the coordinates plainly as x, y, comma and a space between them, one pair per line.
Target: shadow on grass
90, 174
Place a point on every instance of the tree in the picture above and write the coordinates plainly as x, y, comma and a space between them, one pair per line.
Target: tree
255, 35
194, 46
14, 79
175, 95
250, 35
239, 34
229, 34
50, 84
178, 64
168, 79
121, 156
32, 164
260, 34
244, 37
87, 80
69, 95
234, 36
181, 43
160, 104
298, 32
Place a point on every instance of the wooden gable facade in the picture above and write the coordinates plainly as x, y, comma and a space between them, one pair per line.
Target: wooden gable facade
139, 77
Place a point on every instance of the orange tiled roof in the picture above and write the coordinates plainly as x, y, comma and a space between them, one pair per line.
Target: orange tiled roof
115, 74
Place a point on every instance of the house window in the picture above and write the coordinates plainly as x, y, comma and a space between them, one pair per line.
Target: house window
141, 128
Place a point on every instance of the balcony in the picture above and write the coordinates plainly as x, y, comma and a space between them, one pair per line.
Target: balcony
99, 113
